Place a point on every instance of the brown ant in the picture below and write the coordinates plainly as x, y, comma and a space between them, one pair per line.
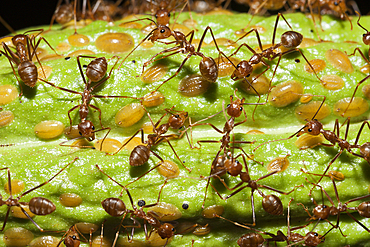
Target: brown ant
207, 66
234, 110
140, 154
271, 203
95, 72
315, 127
71, 238
289, 40
116, 207
322, 212
37, 205
310, 239
26, 47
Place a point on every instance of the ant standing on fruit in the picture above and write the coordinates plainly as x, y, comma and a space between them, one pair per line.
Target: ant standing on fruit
95, 72
141, 153
26, 47
322, 212
37, 205
310, 239
116, 207
315, 127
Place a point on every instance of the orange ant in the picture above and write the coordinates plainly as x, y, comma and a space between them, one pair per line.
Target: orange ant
271, 203
310, 239
26, 47
116, 207
95, 72
322, 212
140, 154
37, 205
315, 127
207, 66
71, 237
289, 40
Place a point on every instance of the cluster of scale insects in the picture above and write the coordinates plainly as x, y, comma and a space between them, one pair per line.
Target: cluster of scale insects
22, 52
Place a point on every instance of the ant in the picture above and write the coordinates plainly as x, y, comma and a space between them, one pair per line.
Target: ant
310, 239
95, 72
140, 154
116, 207
315, 127
271, 203
366, 41
234, 110
37, 205
289, 40
162, 30
322, 212
71, 237
26, 48
207, 66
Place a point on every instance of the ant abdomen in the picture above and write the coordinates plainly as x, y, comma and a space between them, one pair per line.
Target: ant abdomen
97, 69
272, 205
139, 155
114, 206
41, 206
365, 151
28, 73
208, 68
291, 39
64, 13
251, 240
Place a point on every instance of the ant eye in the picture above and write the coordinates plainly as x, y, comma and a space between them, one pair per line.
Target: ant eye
241, 108
324, 206
177, 116
169, 15
316, 234
172, 229
156, 16
162, 30
336, 3
80, 133
238, 66
141, 203
93, 128
228, 105
74, 237
309, 130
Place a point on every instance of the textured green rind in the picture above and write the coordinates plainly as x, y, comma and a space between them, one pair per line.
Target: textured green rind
45, 158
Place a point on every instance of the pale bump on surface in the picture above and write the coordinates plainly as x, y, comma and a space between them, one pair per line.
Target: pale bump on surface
49, 129
129, 115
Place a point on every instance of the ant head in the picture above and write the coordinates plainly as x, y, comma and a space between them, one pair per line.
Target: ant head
365, 151
338, 6
313, 127
177, 120
161, 32
20, 38
366, 38
313, 239
243, 69
291, 39
235, 108
86, 130
72, 239
163, 17
234, 167
166, 230
321, 212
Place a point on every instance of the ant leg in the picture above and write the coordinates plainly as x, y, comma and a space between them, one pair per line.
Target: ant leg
360, 131
362, 55
142, 140
276, 23
353, 95
189, 170
98, 109
46, 182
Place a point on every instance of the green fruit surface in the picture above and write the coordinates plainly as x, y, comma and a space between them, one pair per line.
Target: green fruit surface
34, 160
